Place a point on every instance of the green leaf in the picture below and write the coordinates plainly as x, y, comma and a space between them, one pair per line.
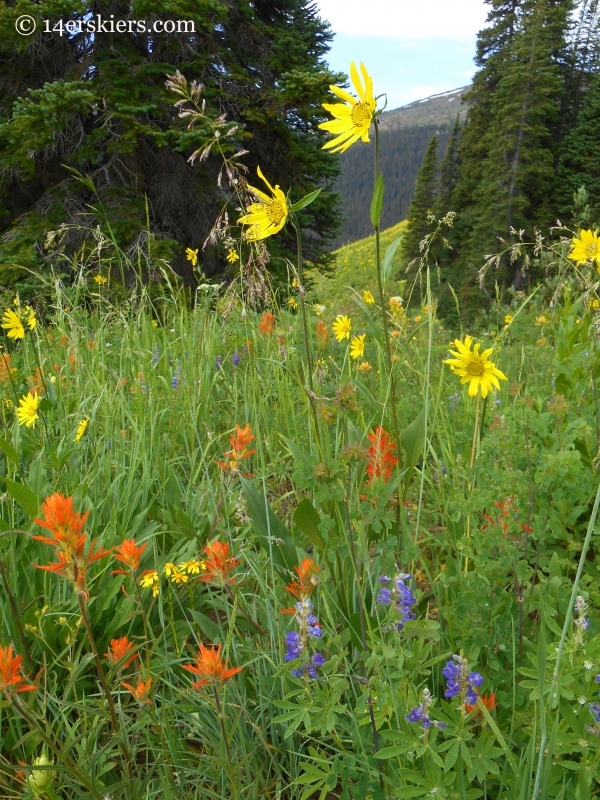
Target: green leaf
306, 200
273, 536
307, 519
206, 625
23, 497
392, 751
9, 451
413, 442
377, 202
386, 264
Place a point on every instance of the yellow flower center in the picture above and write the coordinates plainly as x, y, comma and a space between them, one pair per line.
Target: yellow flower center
361, 114
590, 250
276, 212
475, 368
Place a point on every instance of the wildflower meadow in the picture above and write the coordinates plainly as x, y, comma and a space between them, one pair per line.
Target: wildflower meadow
257, 541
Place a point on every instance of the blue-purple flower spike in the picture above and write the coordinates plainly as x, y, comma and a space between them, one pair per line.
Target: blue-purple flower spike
459, 681
402, 594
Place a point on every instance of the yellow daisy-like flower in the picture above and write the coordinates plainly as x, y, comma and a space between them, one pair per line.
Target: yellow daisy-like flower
169, 569
150, 580
292, 303
357, 346
586, 248
368, 297
474, 367
352, 118
100, 280
31, 318
508, 319
539, 321
82, 429
12, 324
232, 256
192, 255
27, 413
418, 318
192, 567
154, 323
266, 217
364, 366
177, 577
594, 303
342, 325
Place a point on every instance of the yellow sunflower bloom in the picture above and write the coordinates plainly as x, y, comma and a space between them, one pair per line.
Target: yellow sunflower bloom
192, 255
368, 297
474, 367
357, 346
31, 318
82, 429
342, 325
27, 413
352, 118
150, 580
268, 216
12, 324
292, 303
586, 248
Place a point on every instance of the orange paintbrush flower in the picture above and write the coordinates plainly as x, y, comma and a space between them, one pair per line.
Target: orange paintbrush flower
209, 666
381, 455
489, 701
307, 579
267, 324
322, 334
141, 691
118, 649
218, 564
128, 553
239, 442
68, 541
11, 681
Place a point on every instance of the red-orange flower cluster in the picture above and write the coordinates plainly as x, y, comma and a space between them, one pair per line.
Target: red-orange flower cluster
11, 680
489, 701
381, 455
218, 564
267, 324
307, 579
209, 666
141, 691
118, 649
128, 553
239, 442
322, 334
68, 541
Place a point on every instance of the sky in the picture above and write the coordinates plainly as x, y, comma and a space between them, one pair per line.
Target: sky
412, 48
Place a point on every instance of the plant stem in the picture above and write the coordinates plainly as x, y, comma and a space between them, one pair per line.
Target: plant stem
111, 706
17, 616
301, 292
224, 733
475, 430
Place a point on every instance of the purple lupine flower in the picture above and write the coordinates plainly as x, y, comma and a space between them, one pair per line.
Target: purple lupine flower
175, 381
582, 623
403, 596
218, 363
236, 358
419, 714
384, 596
294, 646
595, 709
453, 400
459, 681
297, 641
155, 355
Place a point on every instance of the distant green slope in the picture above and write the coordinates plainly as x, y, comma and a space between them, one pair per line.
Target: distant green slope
355, 267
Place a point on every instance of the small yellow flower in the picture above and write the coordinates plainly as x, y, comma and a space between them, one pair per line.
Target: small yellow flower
169, 569
8, 402
154, 323
292, 303
177, 577
541, 341
192, 255
266, 217
368, 297
418, 318
357, 346
82, 429
319, 310
31, 318
295, 283
150, 580
27, 413
364, 366
342, 325
352, 118
594, 303
232, 256
508, 319
191, 567
474, 367
11, 322
542, 321
100, 280
586, 248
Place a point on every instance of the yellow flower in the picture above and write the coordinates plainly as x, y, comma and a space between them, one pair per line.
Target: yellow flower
82, 429
508, 319
191, 567
542, 320
586, 248
177, 577
295, 283
150, 580
192, 255
418, 318
368, 297
8, 402
474, 367
27, 413
594, 303
342, 325
100, 280
267, 216
364, 366
541, 341
232, 256
319, 310
154, 323
292, 303
357, 346
11, 322
31, 318
170, 568
352, 118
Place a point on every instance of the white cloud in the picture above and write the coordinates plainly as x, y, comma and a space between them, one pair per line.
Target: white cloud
405, 19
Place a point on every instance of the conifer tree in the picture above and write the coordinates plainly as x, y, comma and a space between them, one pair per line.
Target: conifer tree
97, 102
449, 171
422, 203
